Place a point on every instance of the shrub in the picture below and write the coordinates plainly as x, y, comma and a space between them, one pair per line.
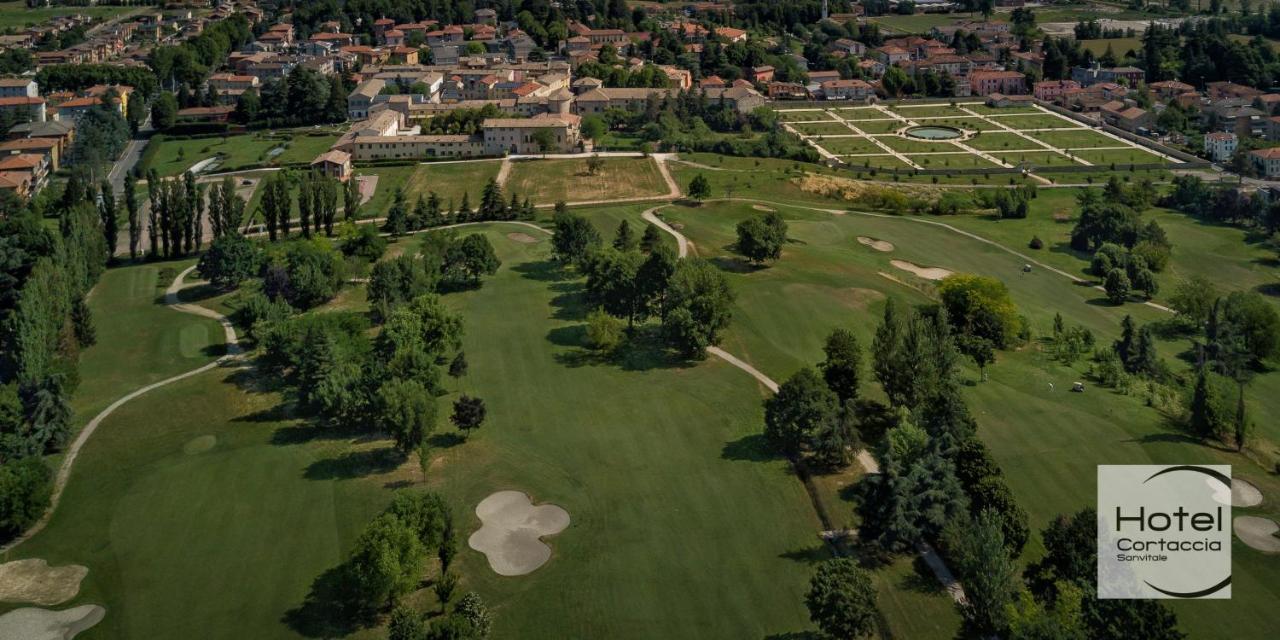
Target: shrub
604, 332
1036, 243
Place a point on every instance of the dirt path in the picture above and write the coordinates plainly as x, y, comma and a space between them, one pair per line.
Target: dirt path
73, 451
503, 172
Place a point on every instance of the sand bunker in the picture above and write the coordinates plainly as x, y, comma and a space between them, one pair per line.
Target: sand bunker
522, 237
33, 581
1243, 494
928, 273
43, 624
512, 526
199, 444
1259, 533
878, 245
760, 207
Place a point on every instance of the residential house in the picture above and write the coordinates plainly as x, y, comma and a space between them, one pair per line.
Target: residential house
23, 107
18, 88
50, 147
984, 82
1051, 90
1220, 146
333, 163
847, 90
517, 135
1124, 115
1266, 161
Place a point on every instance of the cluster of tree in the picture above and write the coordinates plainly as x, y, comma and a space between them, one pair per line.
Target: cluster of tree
728, 60
1225, 204
1124, 271
190, 62
983, 316
428, 212
16, 61
613, 75
760, 238
316, 203
934, 470
462, 121
690, 298
842, 599
1093, 30
175, 221
1010, 203
101, 135
897, 84
77, 77
1068, 344
816, 414
442, 259
1113, 218
1241, 333
304, 97
44, 321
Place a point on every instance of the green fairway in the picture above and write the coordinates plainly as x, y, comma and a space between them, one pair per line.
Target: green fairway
16, 14
139, 339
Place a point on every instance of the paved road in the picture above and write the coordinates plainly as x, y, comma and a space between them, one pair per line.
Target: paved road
132, 154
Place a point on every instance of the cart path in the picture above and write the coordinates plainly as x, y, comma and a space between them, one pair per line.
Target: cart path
73, 451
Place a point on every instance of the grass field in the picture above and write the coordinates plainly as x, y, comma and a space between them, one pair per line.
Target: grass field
550, 181
1041, 158
877, 126
822, 128
450, 181
1106, 157
173, 156
1119, 46
927, 111
1023, 122
1076, 139
15, 14
840, 146
912, 145
952, 161
997, 140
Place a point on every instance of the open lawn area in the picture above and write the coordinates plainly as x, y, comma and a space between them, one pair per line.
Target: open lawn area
1041, 158
1000, 141
171, 157
927, 111
1119, 46
840, 146
912, 145
878, 126
1132, 155
451, 181
876, 162
1077, 139
550, 181
822, 128
801, 115
951, 161
1023, 122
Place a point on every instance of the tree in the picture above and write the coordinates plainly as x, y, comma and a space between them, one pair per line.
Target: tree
397, 222
650, 239
624, 239
593, 128
25, 487
699, 188
545, 139
981, 306
110, 218
164, 111
760, 238
468, 259
699, 305
604, 332
386, 561
230, 260
406, 410
980, 350
976, 548
842, 368
472, 609
1193, 298
1117, 286
468, 414
801, 407
573, 238
248, 105
842, 599
351, 199
594, 164
458, 366
131, 207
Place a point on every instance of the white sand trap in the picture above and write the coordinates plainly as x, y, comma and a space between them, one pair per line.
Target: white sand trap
1259, 533
878, 245
1243, 494
199, 444
33, 581
522, 237
203, 165
928, 273
512, 526
760, 207
43, 624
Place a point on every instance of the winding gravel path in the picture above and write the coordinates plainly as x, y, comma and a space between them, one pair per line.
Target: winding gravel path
73, 451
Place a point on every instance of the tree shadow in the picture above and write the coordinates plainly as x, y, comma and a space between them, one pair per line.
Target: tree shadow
795, 635
199, 293
749, 448
1270, 289
735, 265
543, 271
445, 440
355, 464
646, 351
570, 305
921, 579
330, 609
574, 335
810, 555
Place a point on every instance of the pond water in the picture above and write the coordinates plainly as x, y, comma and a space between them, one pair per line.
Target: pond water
934, 133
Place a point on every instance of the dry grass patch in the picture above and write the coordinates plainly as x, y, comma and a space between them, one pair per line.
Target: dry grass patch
550, 181
33, 581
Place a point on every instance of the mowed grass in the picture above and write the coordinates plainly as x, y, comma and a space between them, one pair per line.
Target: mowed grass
1000, 141
927, 111
680, 524
176, 156
822, 128
911, 145
952, 160
840, 146
878, 126
800, 115
1132, 155
1077, 139
1041, 120
451, 181
1048, 443
550, 181
139, 339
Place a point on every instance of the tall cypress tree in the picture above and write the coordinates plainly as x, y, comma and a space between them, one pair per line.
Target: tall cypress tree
110, 219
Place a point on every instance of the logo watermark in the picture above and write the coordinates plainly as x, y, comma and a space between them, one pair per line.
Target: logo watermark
1164, 531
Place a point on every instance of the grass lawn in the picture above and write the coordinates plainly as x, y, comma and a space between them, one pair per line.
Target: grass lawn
982, 109
822, 128
911, 145
860, 113
1077, 139
951, 160
1023, 122
15, 14
876, 162
841, 146
140, 340
968, 123
1000, 141
450, 181
1133, 155
878, 126
801, 115
1041, 158
549, 181
172, 157
927, 110
919, 23
1119, 46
